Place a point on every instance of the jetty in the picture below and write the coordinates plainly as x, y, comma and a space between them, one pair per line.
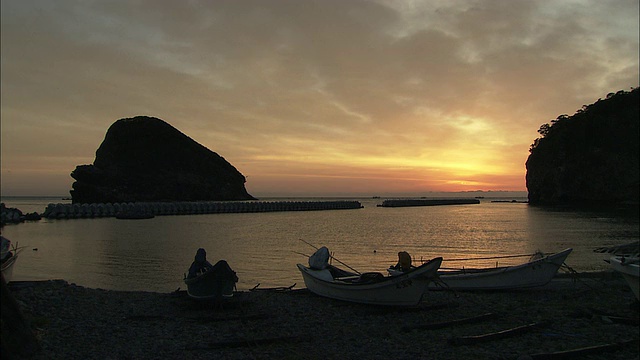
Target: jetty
426, 202
94, 210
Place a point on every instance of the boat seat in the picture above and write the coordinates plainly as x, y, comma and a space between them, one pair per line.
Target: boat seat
370, 277
364, 278
348, 279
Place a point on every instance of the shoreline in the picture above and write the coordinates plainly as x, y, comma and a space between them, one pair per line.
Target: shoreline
71, 321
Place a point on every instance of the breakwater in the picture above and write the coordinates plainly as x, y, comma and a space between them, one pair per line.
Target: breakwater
427, 202
79, 211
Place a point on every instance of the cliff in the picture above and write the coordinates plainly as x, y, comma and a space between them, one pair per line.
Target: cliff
588, 158
146, 159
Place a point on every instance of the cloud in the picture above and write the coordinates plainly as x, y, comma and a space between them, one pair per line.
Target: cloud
311, 88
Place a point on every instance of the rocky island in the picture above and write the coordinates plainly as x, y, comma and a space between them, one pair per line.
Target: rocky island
590, 158
146, 159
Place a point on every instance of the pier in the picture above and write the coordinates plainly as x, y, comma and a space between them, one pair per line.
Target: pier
427, 202
80, 211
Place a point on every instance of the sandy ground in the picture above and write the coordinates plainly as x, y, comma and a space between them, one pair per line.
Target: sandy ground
73, 322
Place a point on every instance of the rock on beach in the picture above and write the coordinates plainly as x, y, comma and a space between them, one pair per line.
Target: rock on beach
74, 322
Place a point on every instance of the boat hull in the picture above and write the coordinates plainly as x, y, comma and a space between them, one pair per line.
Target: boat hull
7, 267
403, 290
629, 268
532, 274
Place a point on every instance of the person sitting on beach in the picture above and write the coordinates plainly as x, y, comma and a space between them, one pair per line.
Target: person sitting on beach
200, 264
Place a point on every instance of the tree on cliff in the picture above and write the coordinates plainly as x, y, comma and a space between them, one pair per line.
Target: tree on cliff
591, 156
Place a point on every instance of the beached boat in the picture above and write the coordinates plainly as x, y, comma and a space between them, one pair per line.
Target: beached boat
537, 272
369, 288
630, 250
206, 281
629, 267
9, 255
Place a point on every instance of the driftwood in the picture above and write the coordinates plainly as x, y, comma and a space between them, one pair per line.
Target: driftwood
17, 337
620, 320
245, 342
605, 316
385, 310
469, 340
276, 289
202, 319
571, 354
440, 325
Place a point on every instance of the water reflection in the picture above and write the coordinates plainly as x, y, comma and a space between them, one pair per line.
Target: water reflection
263, 248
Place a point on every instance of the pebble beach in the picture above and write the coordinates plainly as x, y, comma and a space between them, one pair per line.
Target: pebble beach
593, 312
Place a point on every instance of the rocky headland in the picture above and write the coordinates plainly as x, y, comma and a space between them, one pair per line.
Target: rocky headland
9, 215
146, 159
590, 158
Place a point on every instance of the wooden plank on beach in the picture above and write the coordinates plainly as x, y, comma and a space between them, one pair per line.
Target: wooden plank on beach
620, 320
386, 310
440, 325
590, 350
201, 319
274, 289
246, 342
470, 340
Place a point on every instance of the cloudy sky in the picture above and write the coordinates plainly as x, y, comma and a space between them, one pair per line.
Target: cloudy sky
325, 97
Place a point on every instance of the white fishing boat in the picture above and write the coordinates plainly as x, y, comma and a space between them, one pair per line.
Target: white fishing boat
406, 289
9, 255
537, 272
629, 268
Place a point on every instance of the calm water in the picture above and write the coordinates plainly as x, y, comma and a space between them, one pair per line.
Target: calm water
263, 248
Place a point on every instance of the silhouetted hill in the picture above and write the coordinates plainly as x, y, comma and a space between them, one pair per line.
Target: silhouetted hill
590, 157
146, 159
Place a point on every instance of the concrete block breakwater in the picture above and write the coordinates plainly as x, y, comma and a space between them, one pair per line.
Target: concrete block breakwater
79, 211
425, 202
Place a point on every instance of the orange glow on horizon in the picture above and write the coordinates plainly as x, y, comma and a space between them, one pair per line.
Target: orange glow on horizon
397, 97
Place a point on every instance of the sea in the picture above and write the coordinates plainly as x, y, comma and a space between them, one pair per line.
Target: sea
264, 248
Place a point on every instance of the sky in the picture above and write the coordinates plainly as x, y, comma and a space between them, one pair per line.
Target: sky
309, 98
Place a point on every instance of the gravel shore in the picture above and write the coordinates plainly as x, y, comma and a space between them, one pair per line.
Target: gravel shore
73, 322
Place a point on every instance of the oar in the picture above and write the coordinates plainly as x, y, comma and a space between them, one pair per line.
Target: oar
313, 246
333, 257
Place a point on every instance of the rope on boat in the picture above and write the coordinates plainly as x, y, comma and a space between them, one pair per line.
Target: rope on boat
575, 275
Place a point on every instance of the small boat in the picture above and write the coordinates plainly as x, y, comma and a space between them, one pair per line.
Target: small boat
629, 267
625, 260
206, 281
9, 255
537, 272
631, 249
374, 288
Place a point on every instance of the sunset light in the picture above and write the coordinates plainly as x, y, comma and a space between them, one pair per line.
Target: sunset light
362, 97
